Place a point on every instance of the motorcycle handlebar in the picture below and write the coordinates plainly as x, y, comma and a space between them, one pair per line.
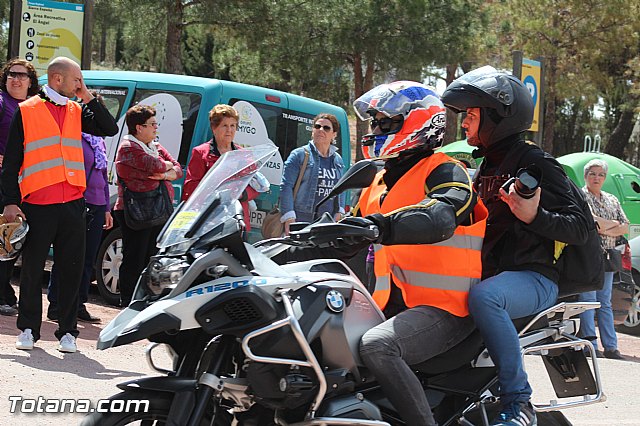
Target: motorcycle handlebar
333, 234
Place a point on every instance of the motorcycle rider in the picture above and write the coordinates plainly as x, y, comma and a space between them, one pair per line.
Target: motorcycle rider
518, 266
418, 199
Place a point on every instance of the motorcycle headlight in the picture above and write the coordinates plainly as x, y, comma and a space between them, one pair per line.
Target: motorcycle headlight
163, 274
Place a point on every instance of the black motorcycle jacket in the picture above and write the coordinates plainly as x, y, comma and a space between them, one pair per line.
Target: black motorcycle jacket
510, 244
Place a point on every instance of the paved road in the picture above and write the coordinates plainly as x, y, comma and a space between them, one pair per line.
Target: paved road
91, 374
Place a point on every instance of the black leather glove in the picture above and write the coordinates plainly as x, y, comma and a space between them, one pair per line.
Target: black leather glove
363, 222
376, 219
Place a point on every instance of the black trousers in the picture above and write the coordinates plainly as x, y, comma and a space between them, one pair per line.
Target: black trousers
137, 247
7, 294
62, 225
95, 221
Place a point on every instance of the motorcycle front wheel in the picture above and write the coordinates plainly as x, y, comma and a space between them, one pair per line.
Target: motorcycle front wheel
140, 408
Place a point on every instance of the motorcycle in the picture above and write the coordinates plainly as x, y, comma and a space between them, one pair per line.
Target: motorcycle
255, 343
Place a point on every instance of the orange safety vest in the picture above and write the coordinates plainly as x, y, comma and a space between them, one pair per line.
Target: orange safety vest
50, 156
438, 274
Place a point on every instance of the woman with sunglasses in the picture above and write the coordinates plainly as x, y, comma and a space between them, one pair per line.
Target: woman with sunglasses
324, 166
18, 81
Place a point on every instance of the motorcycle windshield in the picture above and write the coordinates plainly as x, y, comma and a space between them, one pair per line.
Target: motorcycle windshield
215, 196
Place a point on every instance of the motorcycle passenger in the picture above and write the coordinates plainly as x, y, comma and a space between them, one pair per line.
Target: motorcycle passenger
518, 269
418, 199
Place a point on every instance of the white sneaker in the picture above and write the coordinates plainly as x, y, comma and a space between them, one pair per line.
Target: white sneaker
67, 344
25, 340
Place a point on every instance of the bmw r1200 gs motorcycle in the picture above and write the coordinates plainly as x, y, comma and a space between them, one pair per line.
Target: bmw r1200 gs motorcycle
254, 343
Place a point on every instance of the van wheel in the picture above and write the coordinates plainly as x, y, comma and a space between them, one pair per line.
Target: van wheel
108, 267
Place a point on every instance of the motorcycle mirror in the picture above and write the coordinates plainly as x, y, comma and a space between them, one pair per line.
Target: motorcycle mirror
360, 175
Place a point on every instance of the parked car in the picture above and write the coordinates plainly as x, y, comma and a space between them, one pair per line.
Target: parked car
183, 104
630, 282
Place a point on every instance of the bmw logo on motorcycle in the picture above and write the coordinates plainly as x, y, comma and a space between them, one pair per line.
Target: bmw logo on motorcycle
335, 301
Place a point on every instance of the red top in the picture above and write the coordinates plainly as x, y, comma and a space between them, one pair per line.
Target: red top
134, 165
203, 157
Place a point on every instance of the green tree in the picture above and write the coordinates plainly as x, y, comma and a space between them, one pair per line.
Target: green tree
4, 29
569, 34
320, 48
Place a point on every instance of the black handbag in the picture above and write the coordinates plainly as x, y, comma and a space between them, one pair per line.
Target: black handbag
612, 260
147, 209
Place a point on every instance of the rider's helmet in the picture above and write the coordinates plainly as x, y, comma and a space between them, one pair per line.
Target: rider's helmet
505, 103
12, 236
414, 118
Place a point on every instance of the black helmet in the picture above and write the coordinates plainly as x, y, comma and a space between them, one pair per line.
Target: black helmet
506, 104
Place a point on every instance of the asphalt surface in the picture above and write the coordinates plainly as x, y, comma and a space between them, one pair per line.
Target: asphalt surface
91, 374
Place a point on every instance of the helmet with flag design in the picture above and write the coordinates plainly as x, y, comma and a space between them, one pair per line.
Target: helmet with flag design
12, 236
405, 115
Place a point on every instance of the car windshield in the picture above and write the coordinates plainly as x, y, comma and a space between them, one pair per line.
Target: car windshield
215, 195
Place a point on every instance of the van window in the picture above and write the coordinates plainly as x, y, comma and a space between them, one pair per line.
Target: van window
189, 104
269, 115
286, 128
113, 98
299, 130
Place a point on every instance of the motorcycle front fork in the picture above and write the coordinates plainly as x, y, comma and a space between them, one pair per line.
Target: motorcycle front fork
206, 391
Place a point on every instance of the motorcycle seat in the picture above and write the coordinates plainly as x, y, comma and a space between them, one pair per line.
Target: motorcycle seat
466, 351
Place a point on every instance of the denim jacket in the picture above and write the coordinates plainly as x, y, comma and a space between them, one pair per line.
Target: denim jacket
307, 192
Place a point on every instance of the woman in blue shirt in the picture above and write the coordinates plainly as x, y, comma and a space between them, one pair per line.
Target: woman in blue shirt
324, 168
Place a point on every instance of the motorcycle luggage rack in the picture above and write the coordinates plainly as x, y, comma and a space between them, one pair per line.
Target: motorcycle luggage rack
311, 361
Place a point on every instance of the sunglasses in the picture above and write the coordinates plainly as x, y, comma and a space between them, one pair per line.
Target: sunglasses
385, 124
17, 75
325, 128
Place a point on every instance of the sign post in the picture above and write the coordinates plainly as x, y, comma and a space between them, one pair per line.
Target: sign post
44, 29
531, 79
531, 73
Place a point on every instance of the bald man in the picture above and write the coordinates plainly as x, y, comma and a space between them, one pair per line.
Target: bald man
43, 181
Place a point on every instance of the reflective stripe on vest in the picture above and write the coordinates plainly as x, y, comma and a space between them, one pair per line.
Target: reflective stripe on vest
438, 274
51, 155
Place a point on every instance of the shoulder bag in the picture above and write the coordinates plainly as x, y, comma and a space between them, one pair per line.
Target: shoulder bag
147, 209
272, 227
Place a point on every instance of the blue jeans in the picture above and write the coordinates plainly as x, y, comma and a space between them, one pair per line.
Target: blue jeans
493, 303
605, 316
411, 337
